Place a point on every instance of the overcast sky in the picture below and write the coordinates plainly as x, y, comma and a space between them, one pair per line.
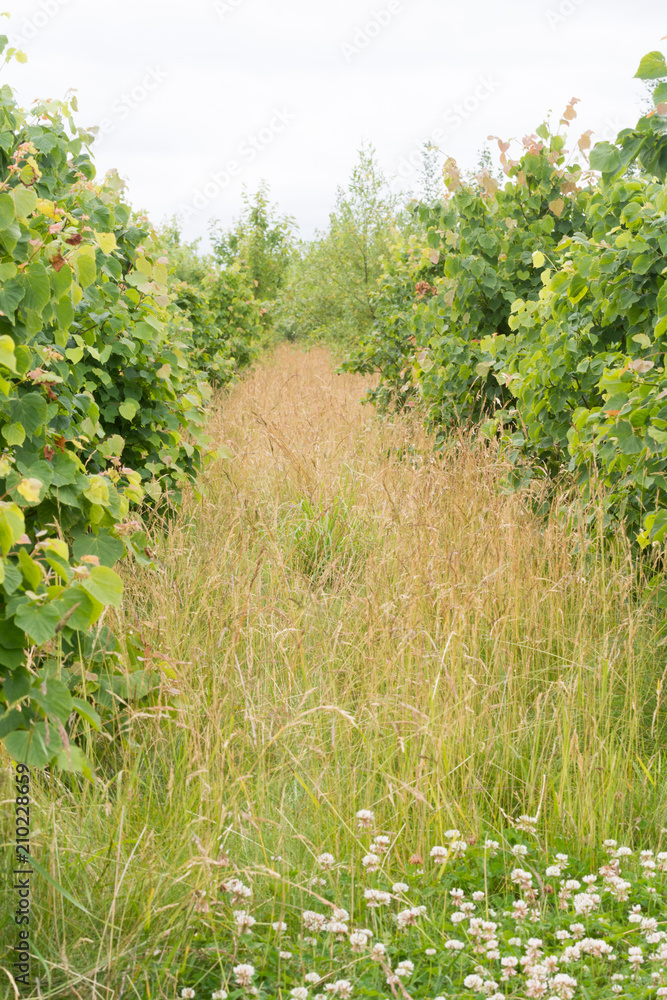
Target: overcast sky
196, 98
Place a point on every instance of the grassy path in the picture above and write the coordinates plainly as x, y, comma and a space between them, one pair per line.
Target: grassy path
344, 621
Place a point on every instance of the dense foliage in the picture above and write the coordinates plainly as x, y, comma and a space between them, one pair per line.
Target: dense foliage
222, 317
538, 308
102, 403
329, 290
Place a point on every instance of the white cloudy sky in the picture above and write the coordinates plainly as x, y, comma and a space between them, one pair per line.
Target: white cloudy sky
287, 89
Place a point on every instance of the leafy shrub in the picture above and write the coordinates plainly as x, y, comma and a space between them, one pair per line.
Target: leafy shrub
538, 310
99, 411
222, 319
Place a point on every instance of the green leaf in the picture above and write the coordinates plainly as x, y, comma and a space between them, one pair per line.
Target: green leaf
129, 409
38, 621
104, 585
107, 548
25, 201
13, 434
28, 746
605, 157
30, 411
7, 356
10, 721
652, 67
12, 525
53, 698
85, 266
7, 211
37, 287
86, 711
17, 685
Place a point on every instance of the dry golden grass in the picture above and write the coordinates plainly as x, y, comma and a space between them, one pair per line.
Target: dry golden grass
350, 621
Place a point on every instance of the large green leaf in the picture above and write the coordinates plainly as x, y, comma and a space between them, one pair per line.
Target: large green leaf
104, 585
652, 67
605, 157
38, 621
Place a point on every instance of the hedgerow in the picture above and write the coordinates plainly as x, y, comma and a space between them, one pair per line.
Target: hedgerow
537, 310
102, 406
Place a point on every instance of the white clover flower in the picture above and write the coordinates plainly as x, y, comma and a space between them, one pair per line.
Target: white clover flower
340, 914
378, 951
336, 927
299, 993
314, 921
244, 921
563, 935
457, 895
326, 860
519, 850
571, 884
358, 941
522, 878
408, 917
526, 823
452, 834
623, 852
520, 908
236, 889
453, 944
430, 952
458, 917
279, 926
219, 995
286, 955
377, 897
381, 844
439, 854
371, 862
458, 848
405, 969
244, 974
492, 846
586, 903
365, 818
578, 930
514, 942
478, 896
473, 983
342, 988
635, 956
312, 941
564, 986
553, 871
400, 887
312, 977
187, 993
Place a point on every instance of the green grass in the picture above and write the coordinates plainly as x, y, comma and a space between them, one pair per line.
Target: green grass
341, 628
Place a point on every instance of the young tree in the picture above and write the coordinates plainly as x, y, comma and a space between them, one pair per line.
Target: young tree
261, 242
